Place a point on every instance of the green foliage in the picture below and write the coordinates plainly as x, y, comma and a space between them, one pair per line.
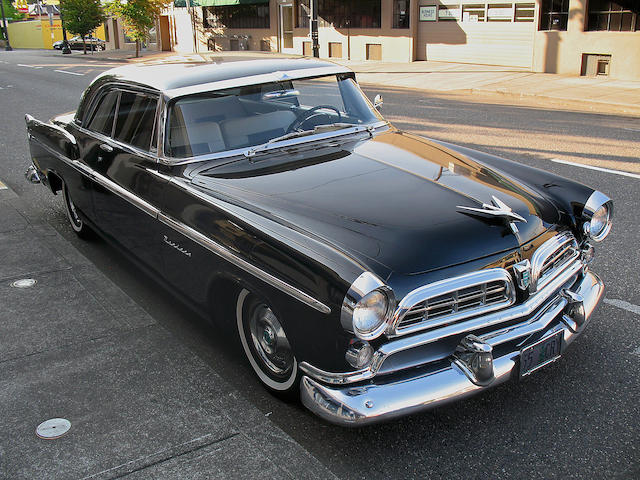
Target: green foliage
10, 12
81, 17
138, 15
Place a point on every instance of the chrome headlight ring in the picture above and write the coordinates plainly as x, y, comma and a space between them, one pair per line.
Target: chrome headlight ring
597, 215
369, 303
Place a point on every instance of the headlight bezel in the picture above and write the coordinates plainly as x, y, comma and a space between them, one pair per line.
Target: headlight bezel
596, 202
366, 284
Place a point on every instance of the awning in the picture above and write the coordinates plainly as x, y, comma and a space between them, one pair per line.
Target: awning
218, 3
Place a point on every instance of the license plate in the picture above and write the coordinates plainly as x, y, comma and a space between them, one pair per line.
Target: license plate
540, 353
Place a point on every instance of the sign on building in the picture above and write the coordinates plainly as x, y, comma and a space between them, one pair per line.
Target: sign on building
428, 13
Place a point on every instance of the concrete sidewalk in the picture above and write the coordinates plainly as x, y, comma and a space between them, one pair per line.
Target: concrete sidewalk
140, 403
471, 78
586, 92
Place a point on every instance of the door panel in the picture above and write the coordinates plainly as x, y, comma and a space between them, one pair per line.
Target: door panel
125, 194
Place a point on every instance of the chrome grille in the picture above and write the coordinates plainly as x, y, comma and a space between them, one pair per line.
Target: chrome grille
551, 258
454, 299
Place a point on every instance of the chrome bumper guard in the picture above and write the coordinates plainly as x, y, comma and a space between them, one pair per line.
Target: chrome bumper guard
356, 405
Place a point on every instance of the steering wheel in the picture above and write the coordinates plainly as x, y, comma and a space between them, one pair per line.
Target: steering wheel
308, 114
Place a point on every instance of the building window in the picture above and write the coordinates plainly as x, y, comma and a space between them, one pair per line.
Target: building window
448, 13
612, 16
554, 14
303, 11
341, 13
473, 13
237, 16
400, 13
525, 12
500, 12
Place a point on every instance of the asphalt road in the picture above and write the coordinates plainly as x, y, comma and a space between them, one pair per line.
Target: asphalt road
578, 418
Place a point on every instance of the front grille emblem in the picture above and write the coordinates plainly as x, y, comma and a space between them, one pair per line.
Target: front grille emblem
498, 209
522, 272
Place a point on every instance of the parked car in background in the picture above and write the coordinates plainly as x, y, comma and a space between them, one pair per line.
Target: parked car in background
373, 272
75, 43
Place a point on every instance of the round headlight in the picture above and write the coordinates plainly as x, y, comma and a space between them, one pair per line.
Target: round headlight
599, 222
370, 313
598, 212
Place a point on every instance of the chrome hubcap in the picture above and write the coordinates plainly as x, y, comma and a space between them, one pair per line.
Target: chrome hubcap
270, 341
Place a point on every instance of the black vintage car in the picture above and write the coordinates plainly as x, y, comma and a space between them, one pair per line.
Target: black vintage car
76, 43
372, 271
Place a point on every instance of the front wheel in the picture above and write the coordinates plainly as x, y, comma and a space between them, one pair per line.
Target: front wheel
77, 224
266, 345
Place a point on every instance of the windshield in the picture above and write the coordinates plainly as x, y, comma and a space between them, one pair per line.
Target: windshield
253, 115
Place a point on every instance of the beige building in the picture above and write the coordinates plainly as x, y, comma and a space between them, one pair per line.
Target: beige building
580, 37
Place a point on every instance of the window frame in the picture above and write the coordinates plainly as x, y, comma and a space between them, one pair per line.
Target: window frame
151, 148
260, 24
395, 16
302, 21
635, 18
104, 90
551, 13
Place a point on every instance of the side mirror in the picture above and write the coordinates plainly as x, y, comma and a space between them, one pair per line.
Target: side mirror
377, 102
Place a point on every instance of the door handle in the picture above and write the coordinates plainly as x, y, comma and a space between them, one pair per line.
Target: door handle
105, 147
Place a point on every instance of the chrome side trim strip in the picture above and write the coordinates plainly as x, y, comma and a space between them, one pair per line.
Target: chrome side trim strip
231, 257
192, 234
103, 181
431, 336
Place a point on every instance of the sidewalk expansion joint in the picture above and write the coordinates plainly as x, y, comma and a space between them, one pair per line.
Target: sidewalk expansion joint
110, 333
159, 457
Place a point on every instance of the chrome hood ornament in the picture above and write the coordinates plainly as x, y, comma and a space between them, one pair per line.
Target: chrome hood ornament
498, 209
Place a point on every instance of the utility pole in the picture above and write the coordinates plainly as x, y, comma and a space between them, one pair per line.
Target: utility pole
65, 44
7, 47
315, 46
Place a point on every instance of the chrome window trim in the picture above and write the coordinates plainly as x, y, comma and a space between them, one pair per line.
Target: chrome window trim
191, 233
121, 145
449, 285
296, 74
405, 343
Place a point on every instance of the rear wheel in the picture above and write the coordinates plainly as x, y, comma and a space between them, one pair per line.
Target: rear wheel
77, 224
266, 345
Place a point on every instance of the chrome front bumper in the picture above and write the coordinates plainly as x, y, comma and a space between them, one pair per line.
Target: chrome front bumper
380, 399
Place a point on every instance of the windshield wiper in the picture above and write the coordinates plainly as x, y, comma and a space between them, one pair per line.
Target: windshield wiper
317, 129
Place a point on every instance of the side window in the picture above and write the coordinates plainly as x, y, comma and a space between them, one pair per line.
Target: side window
102, 120
135, 121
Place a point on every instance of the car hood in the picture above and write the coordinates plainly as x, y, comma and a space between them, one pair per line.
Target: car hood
391, 200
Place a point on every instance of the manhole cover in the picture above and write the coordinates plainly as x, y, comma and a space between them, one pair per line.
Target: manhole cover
54, 428
24, 283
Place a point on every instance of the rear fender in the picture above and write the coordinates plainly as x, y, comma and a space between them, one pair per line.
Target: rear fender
53, 136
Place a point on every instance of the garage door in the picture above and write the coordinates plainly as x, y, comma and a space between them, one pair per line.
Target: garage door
490, 33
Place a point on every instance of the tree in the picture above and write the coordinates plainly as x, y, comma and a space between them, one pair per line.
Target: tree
10, 12
81, 17
139, 16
